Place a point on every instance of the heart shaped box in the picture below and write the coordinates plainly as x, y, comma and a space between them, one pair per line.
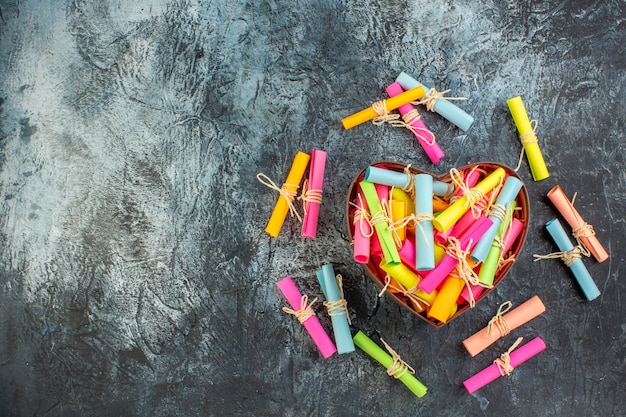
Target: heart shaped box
523, 214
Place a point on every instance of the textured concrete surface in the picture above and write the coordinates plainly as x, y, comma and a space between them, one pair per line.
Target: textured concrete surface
135, 275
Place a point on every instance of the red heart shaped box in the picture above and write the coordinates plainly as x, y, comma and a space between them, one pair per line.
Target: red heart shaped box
523, 214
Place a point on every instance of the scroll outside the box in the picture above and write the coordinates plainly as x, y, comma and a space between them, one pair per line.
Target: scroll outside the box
507, 195
393, 103
339, 317
316, 182
361, 241
424, 241
312, 324
518, 356
533, 152
292, 183
443, 107
424, 136
376, 352
575, 220
578, 268
389, 249
515, 318
449, 216
401, 180
446, 299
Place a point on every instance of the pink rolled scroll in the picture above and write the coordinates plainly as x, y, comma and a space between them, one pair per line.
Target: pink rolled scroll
467, 241
363, 230
470, 177
411, 117
311, 324
510, 236
313, 195
581, 230
493, 372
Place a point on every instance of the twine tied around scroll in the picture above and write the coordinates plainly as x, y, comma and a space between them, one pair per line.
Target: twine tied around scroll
286, 193
309, 195
380, 107
463, 269
408, 293
362, 214
504, 361
568, 257
526, 139
583, 230
409, 186
498, 320
339, 307
416, 219
432, 96
472, 195
408, 121
398, 367
304, 312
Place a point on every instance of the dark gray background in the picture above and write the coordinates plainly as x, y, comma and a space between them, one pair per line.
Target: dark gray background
135, 275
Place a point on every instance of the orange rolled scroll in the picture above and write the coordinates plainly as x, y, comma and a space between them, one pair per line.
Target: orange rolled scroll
515, 318
581, 230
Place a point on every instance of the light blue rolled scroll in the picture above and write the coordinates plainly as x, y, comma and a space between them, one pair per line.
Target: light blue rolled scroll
578, 268
424, 242
442, 106
401, 180
508, 193
338, 315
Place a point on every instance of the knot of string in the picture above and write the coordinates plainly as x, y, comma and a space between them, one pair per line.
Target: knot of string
498, 320
409, 187
431, 97
398, 367
472, 195
304, 312
568, 257
463, 269
309, 195
417, 219
380, 107
287, 193
526, 139
340, 306
408, 121
504, 361
408, 293
362, 216
498, 211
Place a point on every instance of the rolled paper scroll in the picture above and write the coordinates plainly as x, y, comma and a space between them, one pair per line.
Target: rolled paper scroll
449, 216
414, 123
420, 301
313, 195
528, 138
395, 366
490, 264
496, 370
285, 199
398, 213
571, 257
401, 195
402, 180
337, 308
507, 194
362, 231
441, 106
424, 242
446, 298
470, 178
502, 324
407, 254
378, 219
382, 191
388, 105
449, 262
310, 323
582, 230
401, 273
